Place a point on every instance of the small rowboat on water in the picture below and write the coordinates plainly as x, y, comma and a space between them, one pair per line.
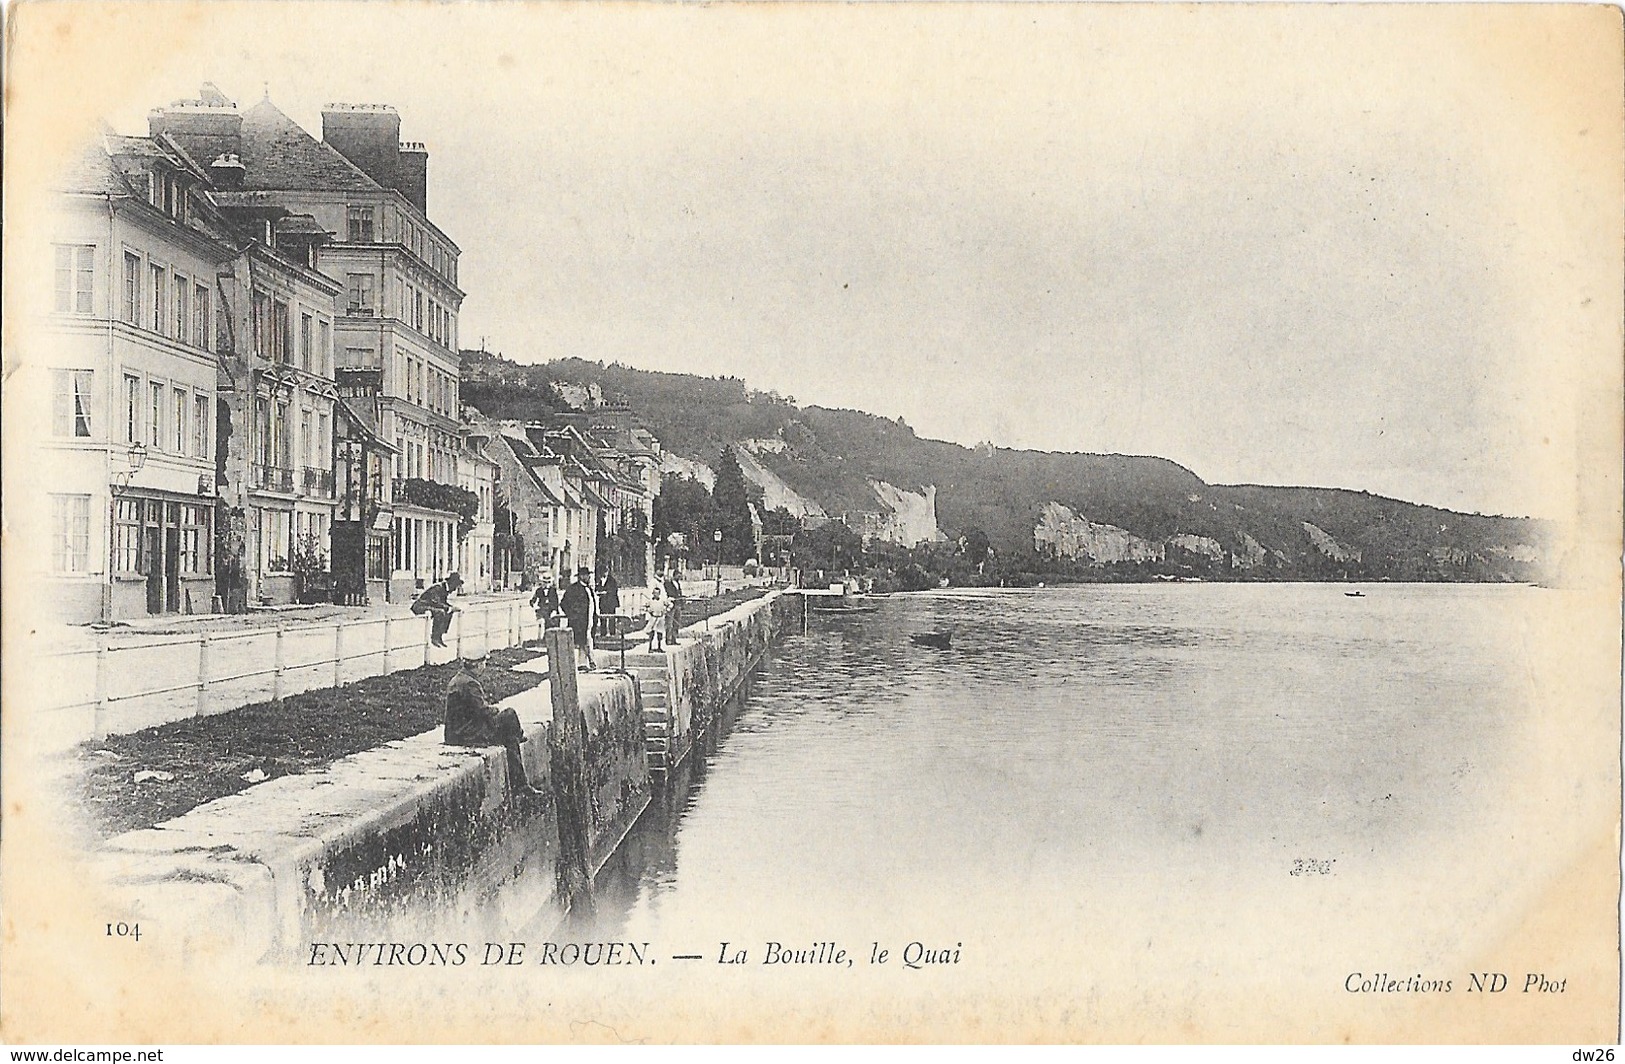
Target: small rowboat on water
838, 606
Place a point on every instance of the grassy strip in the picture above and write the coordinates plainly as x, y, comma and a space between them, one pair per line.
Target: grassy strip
208, 755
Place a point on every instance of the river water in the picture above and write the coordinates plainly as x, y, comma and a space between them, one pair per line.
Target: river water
1213, 793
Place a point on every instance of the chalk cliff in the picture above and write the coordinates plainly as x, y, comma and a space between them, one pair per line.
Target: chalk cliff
672, 464
1203, 545
776, 493
1116, 506
1334, 550
913, 514
1068, 535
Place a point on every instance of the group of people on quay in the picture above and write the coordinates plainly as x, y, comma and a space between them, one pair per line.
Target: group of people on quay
593, 613
470, 720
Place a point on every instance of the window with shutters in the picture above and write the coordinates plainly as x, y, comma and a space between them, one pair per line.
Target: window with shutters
155, 416
182, 325
159, 298
180, 430
202, 414
359, 303
200, 317
132, 288
132, 408
361, 225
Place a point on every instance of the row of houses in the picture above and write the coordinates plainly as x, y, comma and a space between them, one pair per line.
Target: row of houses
250, 351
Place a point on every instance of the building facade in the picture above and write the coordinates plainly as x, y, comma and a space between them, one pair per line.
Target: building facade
359, 198
126, 358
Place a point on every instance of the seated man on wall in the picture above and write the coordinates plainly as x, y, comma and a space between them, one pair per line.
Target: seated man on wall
436, 600
470, 721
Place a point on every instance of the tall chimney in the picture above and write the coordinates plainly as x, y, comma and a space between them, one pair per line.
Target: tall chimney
211, 116
412, 175
367, 134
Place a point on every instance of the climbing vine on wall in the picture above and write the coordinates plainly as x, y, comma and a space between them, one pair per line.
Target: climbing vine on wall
433, 495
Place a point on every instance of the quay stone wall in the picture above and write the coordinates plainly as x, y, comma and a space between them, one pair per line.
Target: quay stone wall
414, 833
710, 662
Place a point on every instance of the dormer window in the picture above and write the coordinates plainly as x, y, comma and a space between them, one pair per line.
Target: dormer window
164, 192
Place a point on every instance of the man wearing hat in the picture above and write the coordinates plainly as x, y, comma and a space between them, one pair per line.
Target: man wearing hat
545, 601
578, 606
436, 600
470, 721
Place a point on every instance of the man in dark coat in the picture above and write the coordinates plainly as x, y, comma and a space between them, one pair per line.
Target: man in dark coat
436, 600
578, 604
674, 601
609, 603
545, 601
470, 721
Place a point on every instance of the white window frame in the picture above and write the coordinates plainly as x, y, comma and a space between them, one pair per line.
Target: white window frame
73, 414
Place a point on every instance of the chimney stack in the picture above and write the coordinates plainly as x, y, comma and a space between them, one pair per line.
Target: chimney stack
369, 135
211, 116
412, 175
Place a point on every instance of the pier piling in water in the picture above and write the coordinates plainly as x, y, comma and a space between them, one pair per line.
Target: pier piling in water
567, 761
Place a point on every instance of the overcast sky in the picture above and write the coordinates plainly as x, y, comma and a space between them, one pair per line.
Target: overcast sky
1346, 247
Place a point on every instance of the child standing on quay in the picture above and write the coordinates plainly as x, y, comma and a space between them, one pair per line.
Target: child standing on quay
657, 621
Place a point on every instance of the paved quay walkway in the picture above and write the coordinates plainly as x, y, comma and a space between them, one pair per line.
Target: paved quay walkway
156, 670
59, 638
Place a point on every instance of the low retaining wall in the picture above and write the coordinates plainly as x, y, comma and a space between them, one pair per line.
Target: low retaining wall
374, 843
116, 687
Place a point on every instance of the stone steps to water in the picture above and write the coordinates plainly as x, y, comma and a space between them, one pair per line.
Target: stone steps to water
650, 670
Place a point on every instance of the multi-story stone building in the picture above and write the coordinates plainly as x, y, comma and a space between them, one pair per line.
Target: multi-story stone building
554, 507
633, 454
274, 338
126, 357
361, 195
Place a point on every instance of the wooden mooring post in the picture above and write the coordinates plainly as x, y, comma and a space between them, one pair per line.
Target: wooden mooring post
567, 747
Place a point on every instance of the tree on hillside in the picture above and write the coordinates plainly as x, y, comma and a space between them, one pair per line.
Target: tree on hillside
975, 546
733, 508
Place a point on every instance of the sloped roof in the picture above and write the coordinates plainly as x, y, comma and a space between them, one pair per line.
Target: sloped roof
108, 166
361, 417
281, 155
277, 154
93, 171
546, 492
119, 144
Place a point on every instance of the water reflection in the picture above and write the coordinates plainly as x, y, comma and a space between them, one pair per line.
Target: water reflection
1078, 735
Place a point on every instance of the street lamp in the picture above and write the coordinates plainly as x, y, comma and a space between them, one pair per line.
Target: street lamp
717, 537
136, 457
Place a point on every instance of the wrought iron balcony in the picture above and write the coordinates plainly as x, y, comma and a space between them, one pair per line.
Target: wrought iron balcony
274, 478
318, 482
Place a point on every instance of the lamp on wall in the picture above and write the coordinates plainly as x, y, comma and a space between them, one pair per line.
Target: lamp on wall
137, 458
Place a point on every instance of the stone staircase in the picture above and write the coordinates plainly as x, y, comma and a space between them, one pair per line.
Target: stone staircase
658, 723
